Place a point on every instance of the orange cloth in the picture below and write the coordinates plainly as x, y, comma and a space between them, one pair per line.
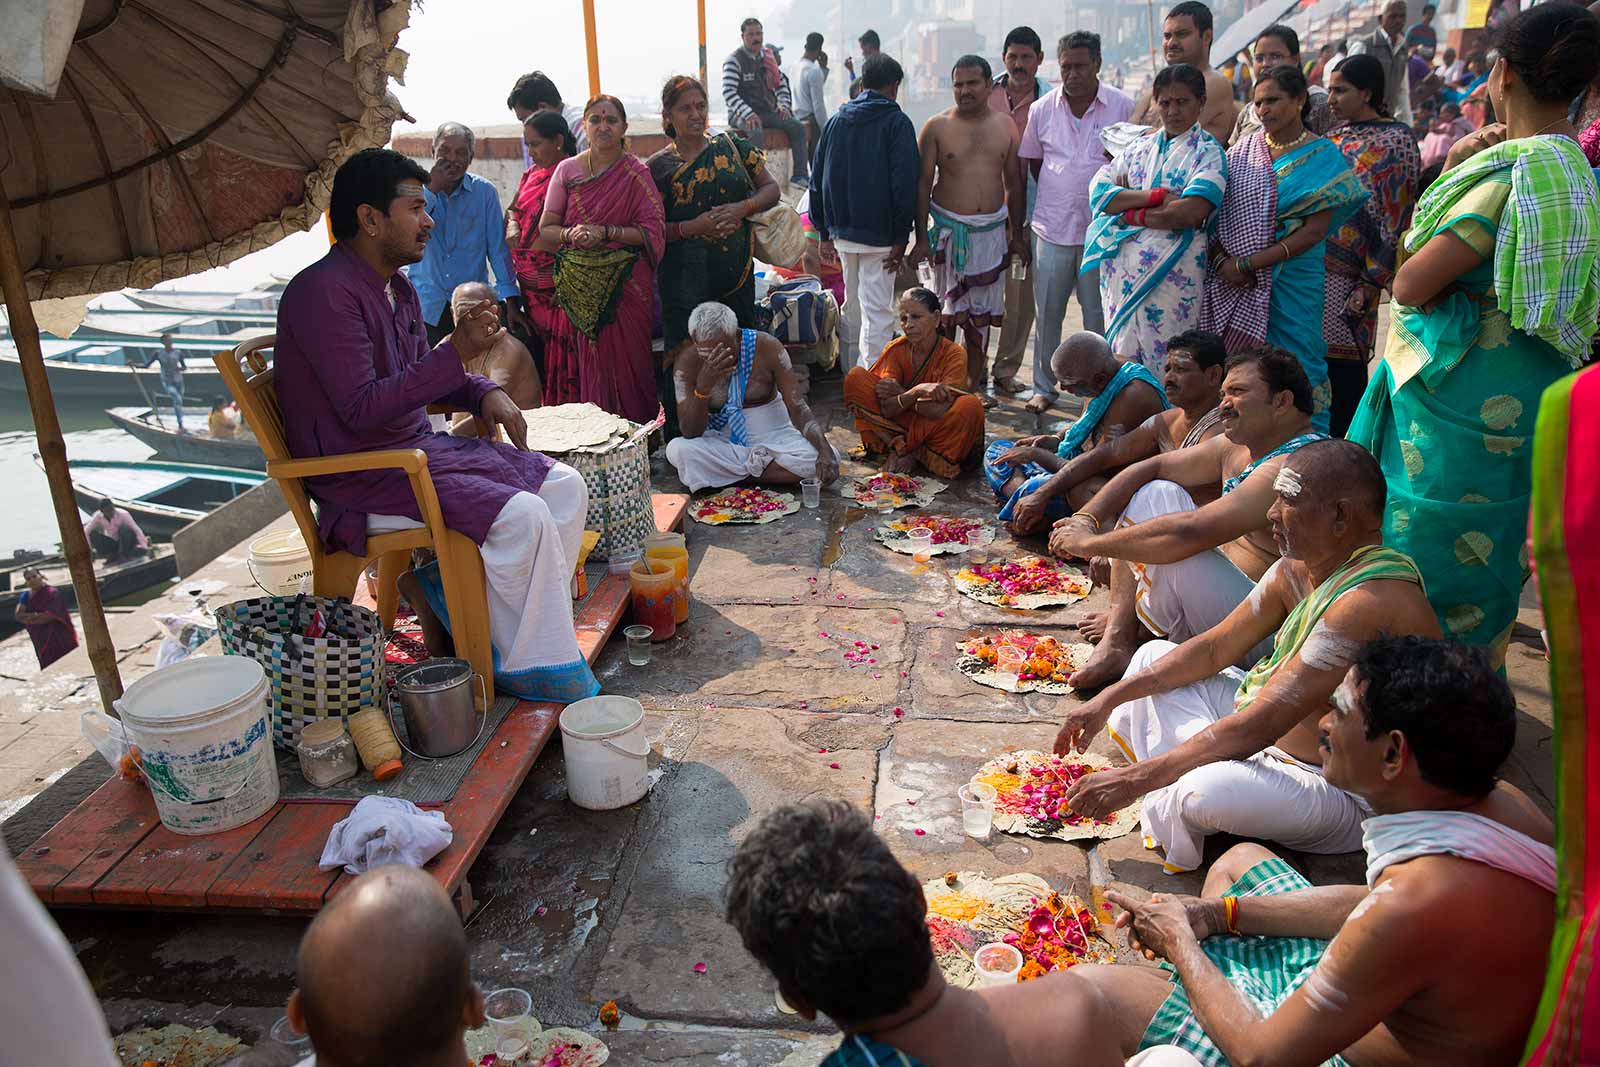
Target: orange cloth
938, 444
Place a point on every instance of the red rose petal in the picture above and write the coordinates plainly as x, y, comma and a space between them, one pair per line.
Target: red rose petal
700, 968
833, 766
920, 832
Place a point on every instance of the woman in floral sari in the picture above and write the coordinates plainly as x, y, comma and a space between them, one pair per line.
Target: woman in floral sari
1150, 205
1496, 300
549, 140
602, 219
1287, 190
710, 186
1385, 157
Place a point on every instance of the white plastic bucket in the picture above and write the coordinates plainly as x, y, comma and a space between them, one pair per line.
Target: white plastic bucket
205, 742
280, 562
607, 754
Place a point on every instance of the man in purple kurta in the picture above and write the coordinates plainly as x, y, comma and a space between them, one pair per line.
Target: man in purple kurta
354, 373
42, 610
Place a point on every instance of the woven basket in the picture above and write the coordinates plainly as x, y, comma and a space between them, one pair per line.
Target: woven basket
619, 493
312, 678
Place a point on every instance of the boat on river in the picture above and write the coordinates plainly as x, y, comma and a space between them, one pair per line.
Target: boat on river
99, 370
156, 428
115, 580
163, 497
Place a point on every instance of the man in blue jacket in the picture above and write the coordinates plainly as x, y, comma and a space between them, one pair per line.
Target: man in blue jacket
864, 200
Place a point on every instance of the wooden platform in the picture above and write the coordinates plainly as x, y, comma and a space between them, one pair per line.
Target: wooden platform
111, 851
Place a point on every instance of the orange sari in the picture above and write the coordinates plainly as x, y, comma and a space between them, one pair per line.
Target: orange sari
940, 444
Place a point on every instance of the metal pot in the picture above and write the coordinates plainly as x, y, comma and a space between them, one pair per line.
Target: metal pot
436, 699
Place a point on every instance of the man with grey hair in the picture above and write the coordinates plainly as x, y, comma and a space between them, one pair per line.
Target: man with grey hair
1387, 45
740, 412
469, 236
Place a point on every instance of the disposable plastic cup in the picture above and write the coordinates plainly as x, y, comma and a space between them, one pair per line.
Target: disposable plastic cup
638, 644
622, 562
509, 1013
1009, 659
997, 963
921, 539
977, 809
288, 1045
811, 492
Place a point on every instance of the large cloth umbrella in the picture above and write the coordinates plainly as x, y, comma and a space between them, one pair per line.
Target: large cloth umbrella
142, 140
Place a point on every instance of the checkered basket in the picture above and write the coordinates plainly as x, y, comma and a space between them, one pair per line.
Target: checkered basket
312, 677
618, 477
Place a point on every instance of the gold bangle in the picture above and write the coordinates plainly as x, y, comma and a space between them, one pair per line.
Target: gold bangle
699, 395
1090, 516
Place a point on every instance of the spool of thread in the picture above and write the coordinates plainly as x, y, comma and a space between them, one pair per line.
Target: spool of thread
375, 741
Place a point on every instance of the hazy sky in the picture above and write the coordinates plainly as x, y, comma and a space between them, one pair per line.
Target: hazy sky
465, 54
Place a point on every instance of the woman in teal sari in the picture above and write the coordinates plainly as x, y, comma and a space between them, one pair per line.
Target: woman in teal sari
1147, 235
1497, 300
710, 185
1287, 190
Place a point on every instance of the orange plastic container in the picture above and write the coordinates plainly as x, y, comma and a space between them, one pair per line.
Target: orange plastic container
652, 585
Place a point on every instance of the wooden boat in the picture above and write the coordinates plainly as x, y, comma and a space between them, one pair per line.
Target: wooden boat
155, 427
115, 580
162, 497
99, 370
259, 299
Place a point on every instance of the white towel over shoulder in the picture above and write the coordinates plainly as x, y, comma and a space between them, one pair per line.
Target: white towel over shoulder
1391, 839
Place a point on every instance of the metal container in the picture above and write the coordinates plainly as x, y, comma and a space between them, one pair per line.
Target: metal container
436, 698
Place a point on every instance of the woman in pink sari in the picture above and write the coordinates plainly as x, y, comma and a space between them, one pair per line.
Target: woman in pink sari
604, 221
549, 141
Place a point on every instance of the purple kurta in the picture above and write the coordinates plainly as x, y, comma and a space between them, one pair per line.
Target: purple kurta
354, 374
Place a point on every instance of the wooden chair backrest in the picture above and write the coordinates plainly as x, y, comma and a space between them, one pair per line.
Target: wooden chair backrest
248, 377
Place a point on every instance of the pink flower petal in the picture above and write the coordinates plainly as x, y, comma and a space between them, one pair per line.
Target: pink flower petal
939, 614
540, 911
802, 703
833, 766
822, 633
920, 832
913, 803
700, 968
874, 648
727, 633
899, 712
820, 751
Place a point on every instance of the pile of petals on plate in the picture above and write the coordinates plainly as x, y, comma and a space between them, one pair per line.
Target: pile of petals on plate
1030, 582
1046, 668
1031, 790
951, 533
558, 1046
894, 490
1053, 931
744, 505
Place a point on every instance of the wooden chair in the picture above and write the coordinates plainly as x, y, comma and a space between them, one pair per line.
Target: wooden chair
335, 574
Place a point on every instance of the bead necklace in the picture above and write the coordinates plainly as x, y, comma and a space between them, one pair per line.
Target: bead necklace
1284, 146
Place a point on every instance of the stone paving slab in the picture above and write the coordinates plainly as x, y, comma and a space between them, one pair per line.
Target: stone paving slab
702, 1047
742, 763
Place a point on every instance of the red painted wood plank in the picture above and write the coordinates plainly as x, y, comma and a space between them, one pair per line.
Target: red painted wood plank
278, 871
670, 509
487, 790
63, 865
598, 617
168, 870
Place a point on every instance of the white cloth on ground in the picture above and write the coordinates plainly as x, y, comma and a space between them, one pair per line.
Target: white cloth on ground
713, 460
384, 830
1184, 599
868, 303
48, 1014
1163, 1056
1271, 795
1391, 839
528, 570
956, 267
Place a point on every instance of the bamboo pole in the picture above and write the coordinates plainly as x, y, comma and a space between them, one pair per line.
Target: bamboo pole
700, 5
53, 451
591, 44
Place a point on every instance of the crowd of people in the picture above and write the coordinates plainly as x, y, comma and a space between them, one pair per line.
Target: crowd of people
1313, 577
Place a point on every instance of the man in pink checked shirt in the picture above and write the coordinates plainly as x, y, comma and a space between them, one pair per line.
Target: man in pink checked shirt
113, 534
1063, 150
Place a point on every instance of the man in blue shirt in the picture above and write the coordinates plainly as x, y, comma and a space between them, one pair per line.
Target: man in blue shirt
469, 236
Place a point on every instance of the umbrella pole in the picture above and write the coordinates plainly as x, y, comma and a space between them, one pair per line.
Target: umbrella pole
592, 47
53, 451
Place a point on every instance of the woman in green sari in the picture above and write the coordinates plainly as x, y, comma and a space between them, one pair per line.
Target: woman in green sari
1497, 300
710, 186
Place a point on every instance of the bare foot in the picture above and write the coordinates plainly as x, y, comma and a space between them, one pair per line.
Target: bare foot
1093, 626
1107, 665
1039, 405
900, 464
986, 400
434, 633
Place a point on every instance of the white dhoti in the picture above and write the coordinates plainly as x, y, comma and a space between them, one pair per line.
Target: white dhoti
1271, 795
527, 564
969, 264
1184, 599
713, 460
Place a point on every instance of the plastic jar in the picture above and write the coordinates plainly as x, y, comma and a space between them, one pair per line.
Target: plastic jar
327, 755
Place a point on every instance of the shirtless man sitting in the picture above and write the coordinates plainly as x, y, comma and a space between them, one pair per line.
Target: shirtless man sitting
1030, 476
507, 363
740, 410
1186, 35
972, 185
1180, 567
1217, 752
822, 904
1440, 963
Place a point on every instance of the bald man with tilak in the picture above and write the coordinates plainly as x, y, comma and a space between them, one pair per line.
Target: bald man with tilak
1214, 755
1030, 476
383, 976
507, 361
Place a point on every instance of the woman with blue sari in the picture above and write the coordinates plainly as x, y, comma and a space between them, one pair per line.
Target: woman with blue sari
1287, 190
1496, 300
1150, 206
